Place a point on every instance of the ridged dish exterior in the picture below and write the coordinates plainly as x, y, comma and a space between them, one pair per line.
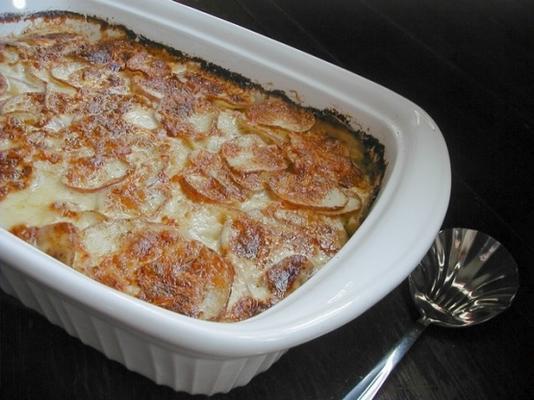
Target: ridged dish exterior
180, 369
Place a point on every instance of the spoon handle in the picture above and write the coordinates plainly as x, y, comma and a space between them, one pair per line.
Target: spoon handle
370, 384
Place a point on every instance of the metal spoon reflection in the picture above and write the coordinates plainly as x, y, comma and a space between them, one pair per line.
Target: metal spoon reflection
466, 278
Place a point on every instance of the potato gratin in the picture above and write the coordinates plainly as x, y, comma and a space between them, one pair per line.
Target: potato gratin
166, 177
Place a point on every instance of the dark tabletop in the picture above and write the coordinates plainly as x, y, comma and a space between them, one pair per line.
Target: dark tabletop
470, 65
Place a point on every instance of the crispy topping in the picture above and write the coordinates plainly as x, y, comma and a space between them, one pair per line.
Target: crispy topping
274, 252
279, 113
25, 232
311, 191
147, 63
64, 209
59, 103
31, 103
223, 92
207, 179
167, 178
88, 174
4, 85
249, 239
287, 275
245, 308
249, 153
310, 152
60, 240
15, 171
252, 181
155, 263
142, 193
112, 53
103, 134
184, 276
177, 112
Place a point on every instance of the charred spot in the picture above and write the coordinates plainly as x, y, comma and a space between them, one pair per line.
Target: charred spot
245, 308
287, 275
250, 240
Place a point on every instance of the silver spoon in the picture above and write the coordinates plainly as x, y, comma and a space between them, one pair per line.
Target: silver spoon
466, 278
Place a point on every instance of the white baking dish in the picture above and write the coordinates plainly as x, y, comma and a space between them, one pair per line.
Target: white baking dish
206, 357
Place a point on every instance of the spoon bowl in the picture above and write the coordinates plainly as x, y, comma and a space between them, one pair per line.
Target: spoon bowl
466, 278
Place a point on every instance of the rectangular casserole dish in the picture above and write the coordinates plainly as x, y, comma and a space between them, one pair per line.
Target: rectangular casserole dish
207, 357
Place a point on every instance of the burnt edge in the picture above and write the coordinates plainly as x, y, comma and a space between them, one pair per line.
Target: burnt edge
374, 147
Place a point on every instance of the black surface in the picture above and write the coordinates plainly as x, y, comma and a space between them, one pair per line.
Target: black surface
470, 65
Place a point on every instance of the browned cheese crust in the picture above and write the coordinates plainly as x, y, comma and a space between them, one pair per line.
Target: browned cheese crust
166, 177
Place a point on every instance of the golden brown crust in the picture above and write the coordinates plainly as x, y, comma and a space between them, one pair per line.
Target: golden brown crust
177, 182
89, 174
245, 308
60, 240
15, 171
288, 274
25, 232
249, 154
158, 265
279, 113
207, 179
224, 93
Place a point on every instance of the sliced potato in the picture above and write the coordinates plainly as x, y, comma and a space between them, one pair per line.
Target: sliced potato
64, 71
207, 179
8, 54
251, 181
249, 153
155, 263
309, 191
15, 171
287, 275
142, 193
224, 93
89, 174
269, 134
4, 85
354, 203
31, 103
141, 117
60, 240
145, 62
279, 113
81, 75
42, 73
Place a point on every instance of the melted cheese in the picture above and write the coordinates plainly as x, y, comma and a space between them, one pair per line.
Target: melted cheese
32, 206
166, 181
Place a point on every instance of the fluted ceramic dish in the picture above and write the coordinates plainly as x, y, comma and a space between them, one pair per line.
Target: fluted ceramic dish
207, 357
466, 278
